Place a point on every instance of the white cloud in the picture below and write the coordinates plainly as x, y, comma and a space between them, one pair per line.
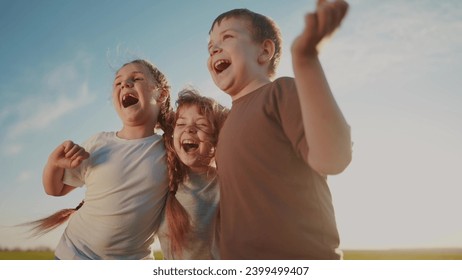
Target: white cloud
64, 89
12, 149
47, 111
55, 80
4, 113
393, 37
24, 176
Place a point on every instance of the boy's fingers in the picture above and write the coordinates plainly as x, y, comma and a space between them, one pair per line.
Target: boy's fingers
324, 13
330, 16
335, 16
311, 23
339, 8
343, 9
308, 39
320, 2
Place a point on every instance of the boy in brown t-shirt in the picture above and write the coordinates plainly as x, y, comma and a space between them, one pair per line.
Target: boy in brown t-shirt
280, 141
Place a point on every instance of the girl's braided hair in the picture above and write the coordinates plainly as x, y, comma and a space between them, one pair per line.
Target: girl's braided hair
178, 220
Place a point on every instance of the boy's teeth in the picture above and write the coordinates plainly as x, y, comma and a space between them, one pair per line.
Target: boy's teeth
221, 65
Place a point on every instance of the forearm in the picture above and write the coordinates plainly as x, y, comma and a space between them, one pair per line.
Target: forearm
52, 179
326, 130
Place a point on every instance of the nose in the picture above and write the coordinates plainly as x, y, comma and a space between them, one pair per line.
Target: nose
214, 49
191, 129
127, 83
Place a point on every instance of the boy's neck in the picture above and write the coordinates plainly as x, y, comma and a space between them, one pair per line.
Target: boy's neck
254, 85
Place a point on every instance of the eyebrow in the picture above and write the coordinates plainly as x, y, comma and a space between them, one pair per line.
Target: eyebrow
134, 72
224, 31
201, 117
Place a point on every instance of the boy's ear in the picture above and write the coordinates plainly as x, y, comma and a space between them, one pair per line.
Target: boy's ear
267, 51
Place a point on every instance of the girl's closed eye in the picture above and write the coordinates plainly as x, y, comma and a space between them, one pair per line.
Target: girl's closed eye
202, 124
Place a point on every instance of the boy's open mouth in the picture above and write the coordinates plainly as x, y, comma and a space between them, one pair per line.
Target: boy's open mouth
129, 100
221, 65
189, 145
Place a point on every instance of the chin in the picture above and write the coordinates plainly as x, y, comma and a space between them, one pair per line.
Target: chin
223, 87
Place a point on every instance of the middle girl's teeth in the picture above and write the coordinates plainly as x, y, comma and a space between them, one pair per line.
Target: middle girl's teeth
188, 141
189, 145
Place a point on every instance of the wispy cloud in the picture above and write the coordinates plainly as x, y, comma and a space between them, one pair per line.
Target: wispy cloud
63, 90
11, 149
24, 176
393, 36
47, 111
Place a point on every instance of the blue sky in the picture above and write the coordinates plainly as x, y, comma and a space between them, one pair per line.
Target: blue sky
394, 68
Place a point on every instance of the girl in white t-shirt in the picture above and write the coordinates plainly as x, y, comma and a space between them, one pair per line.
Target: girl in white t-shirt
124, 172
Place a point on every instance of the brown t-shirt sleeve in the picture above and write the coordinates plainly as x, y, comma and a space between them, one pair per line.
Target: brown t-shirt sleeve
287, 112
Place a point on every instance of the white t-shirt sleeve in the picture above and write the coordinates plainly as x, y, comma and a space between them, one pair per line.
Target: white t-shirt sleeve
76, 176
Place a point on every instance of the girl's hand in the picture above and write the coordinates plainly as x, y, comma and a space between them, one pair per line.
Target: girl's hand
68, 155
318, 25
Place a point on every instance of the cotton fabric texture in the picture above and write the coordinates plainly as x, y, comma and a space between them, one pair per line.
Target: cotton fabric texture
273, 205
126, 190
200, 196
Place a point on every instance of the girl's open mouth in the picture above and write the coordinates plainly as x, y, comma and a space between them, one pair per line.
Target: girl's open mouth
129, 100
189, 145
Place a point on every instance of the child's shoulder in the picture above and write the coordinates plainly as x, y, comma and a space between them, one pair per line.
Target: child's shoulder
284, 80
282, 85
99, 138
103, 134
281, 91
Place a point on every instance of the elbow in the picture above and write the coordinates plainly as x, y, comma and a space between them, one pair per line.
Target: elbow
332, 165
53, 192
340, 165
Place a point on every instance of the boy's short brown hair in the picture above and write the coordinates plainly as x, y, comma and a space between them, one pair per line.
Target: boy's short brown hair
262, 28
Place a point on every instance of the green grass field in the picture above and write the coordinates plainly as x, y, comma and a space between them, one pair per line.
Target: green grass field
41, 255
449, 254
26, 255
417, 254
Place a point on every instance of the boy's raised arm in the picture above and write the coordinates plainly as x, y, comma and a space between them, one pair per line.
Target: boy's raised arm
66, 155
326, 130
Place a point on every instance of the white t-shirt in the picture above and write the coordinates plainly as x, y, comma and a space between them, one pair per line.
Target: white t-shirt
126, 190
199, 196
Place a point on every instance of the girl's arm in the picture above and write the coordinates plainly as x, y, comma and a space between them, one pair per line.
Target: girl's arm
66, 155
326, 130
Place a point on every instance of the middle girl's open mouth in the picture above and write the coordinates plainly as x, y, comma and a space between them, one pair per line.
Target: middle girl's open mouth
189, 145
